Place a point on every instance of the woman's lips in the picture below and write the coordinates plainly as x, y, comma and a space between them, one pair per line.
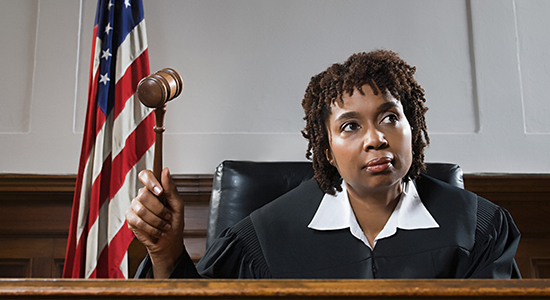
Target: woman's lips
378, 164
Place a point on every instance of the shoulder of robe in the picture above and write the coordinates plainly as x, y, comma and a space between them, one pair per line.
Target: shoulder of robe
454, 209
296, 206
469, 212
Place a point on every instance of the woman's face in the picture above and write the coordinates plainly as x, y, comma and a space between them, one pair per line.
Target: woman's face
370, 141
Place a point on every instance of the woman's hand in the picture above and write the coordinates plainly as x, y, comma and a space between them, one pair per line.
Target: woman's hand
158, 227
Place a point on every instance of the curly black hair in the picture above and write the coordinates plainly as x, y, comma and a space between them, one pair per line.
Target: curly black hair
384, 71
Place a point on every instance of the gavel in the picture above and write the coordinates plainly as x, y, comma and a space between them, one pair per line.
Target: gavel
155, 91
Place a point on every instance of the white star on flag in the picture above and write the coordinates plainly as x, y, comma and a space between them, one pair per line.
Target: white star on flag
110, 4
106, 54
108, 28
127, 3
104, 78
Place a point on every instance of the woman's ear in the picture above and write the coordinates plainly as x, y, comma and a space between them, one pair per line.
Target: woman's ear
329, 156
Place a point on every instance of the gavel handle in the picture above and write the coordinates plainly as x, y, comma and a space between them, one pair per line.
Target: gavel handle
157, 162
154, 91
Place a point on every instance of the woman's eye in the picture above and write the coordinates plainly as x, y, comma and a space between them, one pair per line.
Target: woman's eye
390, 119
348, 127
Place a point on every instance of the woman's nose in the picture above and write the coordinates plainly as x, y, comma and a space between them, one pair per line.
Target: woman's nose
374, 139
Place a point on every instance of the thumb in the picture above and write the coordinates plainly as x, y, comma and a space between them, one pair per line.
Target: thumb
170, 191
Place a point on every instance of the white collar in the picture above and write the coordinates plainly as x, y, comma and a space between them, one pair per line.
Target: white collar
335, 212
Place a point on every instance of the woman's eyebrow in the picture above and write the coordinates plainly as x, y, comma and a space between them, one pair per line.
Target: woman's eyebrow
387, 105
382, 107
347, 115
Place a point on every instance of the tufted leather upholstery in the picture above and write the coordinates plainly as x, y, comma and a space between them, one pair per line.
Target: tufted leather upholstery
240, 187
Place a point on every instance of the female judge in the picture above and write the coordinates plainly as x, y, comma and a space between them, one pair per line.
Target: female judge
367, 213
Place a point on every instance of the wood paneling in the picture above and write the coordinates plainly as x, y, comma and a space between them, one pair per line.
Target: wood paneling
13, 267
35, 215
541, 267
527, 198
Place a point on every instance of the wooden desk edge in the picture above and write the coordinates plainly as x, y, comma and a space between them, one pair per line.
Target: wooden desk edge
247, 289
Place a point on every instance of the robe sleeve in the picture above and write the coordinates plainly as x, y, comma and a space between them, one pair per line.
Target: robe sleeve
496, 242
235, 254
184, 268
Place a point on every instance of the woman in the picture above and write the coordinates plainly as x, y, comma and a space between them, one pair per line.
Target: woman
368, 213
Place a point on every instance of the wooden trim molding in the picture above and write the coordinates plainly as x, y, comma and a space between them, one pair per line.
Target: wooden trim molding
186, 184
508, 183
202, 183
37, 183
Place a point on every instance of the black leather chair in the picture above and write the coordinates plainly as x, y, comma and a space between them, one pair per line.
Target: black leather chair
240, 187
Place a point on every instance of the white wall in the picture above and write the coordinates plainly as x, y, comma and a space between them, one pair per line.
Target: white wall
246, 63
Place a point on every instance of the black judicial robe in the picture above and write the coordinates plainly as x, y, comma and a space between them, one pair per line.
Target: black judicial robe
476, 239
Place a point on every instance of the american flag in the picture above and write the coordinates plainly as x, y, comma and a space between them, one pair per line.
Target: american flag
117, 143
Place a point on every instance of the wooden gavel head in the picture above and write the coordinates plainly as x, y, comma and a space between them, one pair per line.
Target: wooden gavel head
157, 89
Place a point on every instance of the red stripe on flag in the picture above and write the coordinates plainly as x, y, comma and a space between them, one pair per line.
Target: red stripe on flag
119, 244
91, 88
127, 84
132, 152
110, 255
99, 121
100, 191
79, 256
99, 271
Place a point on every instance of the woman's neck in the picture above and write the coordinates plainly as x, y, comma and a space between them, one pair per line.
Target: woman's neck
376, 197
373, 210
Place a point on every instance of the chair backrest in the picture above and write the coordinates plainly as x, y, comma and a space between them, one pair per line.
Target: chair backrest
240, 187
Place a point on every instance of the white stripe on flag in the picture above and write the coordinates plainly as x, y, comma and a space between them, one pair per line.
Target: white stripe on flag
96, 57
94, 165
102, 143
84, 200
97, 239
122, 199
120, 203
130, 49
126, 122
124, 265
97, 234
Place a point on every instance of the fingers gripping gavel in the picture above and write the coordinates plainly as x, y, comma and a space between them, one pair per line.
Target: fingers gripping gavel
155, 91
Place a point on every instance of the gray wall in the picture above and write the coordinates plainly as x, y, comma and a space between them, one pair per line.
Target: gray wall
246, 63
